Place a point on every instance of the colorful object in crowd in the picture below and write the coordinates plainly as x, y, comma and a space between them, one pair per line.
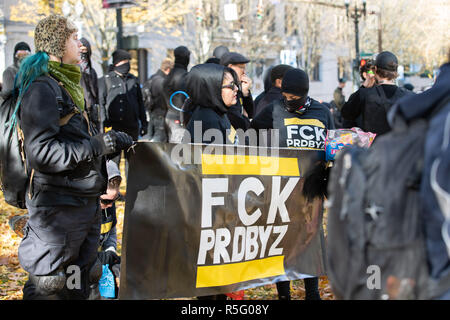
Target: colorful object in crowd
106, 283
339, 138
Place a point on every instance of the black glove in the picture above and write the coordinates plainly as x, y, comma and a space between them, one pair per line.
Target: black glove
144, 130
111, 142
123, 141
108, 257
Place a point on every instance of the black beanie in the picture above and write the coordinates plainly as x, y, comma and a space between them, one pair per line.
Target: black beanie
295, 81
279, 71
21, 46
120, 55
182, 55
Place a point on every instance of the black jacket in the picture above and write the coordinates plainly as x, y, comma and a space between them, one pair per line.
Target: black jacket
153, 92
121, 99
367, 103
235, 113
204, 87
175, 81
67, 170
271, 95
8, 78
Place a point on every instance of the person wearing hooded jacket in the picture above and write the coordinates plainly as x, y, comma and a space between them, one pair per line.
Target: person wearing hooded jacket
66, 165
310, 134
212, 89
121, 97
89, 82
21, 51
175, 81
434, 106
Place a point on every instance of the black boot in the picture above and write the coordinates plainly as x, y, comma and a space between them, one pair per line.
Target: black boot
284, 290
312, 289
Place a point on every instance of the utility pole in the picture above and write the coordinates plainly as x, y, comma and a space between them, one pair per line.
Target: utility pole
119, 28
356, 15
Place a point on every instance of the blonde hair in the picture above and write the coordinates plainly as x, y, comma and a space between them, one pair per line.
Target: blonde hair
167, 64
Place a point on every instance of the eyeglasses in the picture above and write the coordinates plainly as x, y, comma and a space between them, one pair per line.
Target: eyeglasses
230, 86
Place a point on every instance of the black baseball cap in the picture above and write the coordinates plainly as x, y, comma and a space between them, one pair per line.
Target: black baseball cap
387, 61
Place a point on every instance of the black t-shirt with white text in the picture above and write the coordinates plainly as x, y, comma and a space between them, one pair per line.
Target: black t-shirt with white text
303, 131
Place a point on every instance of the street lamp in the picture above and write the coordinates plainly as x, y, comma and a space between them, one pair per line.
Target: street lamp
356, 15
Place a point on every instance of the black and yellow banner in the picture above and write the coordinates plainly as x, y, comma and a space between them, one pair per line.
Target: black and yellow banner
199, 222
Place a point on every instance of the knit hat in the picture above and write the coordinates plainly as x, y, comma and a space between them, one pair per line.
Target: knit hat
120, 55
51, 34
182, 55
21, 46
295, 81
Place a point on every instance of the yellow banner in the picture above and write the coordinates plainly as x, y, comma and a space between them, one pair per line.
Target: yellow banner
225, 274
306, 122
249, 165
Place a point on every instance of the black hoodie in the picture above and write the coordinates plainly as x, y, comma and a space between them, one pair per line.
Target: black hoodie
89, 83
204, 87
176, 79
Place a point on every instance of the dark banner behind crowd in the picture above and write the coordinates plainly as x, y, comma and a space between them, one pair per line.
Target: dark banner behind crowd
199, 223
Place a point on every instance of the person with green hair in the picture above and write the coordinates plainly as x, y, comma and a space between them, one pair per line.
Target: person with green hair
65, 157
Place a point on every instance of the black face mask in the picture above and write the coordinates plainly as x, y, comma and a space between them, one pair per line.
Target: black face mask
123, 68
297, 105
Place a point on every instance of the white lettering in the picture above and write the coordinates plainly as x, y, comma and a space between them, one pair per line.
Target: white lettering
209, 186
251, 243
249, 184
278, 199
274, 251
264, 237
206, 244
223, 238
304, 135
239, 238
291, 130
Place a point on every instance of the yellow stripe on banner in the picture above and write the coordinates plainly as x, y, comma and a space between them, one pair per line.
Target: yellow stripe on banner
225, 274
306, 122
249, 165
106, 227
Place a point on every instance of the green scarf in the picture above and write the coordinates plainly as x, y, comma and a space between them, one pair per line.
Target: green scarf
69, 75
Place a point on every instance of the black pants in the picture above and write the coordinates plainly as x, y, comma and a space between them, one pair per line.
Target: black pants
311, 289
56, 238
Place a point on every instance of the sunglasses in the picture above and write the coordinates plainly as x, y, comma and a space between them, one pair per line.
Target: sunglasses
230, 86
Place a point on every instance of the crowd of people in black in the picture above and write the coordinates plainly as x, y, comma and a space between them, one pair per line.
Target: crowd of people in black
76, 164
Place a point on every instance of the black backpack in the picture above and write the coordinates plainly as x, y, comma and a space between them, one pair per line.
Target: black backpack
14, 175
376, 246
376, 108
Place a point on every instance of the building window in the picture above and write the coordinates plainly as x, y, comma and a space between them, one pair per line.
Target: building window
316, 72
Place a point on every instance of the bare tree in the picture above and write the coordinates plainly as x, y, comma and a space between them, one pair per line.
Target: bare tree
99, 25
